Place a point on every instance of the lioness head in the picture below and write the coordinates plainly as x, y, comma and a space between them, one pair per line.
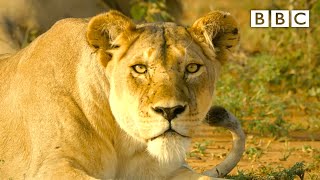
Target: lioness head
161, 75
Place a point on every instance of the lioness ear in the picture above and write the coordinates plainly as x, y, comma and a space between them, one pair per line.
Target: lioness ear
103, 30
219, 30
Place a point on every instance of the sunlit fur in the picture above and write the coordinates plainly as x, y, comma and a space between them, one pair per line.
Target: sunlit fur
166, 84
72, 107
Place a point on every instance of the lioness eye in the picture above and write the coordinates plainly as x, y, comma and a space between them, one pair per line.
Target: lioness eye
193, 68
139, 68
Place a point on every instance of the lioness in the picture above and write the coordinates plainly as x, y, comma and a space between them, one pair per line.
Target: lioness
108, 99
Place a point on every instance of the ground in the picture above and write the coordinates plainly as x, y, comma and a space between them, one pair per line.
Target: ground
264, 155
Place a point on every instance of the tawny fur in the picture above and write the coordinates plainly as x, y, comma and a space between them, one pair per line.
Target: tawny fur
72, 107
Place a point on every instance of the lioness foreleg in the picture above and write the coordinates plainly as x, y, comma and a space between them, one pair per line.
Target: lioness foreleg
185, 173
64, 169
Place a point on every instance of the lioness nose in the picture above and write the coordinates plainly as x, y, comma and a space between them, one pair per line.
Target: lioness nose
169, 113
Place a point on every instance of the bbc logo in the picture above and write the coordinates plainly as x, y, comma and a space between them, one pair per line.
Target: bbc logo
280, 18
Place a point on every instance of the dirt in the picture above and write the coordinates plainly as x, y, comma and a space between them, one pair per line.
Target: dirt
261, 152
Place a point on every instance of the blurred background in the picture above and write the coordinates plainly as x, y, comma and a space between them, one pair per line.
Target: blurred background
271, 83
